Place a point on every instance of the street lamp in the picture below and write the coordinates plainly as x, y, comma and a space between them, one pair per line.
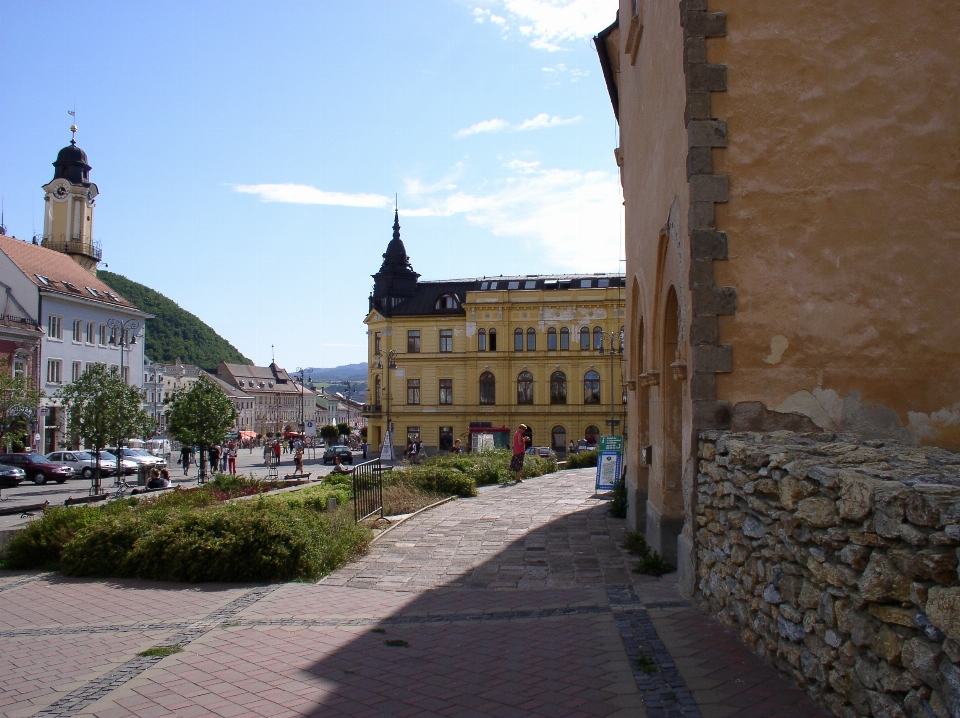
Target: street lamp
616, 349
391, 364
123, 334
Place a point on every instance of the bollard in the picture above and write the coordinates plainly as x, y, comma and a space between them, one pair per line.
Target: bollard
332, 503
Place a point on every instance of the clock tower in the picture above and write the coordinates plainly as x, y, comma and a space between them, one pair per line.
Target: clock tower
69, 203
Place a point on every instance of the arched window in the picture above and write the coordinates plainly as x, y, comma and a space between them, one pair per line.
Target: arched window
482, 340
558, 438
518, 339
20, 365
488, 388
564, 339
493, 340
558, 388
447, 301
591, 434
584, 338
376, 390
597, 338
525, 388
531, 339
591, 388
551, 339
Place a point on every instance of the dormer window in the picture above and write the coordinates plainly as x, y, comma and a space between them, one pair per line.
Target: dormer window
513, 285
43, 280
493, 285
93, 292
530, 284
585, 283
447, 301
70, 285
603, 283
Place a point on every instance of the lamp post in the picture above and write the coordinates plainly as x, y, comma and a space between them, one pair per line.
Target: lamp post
616, 349
391, 364
123, 334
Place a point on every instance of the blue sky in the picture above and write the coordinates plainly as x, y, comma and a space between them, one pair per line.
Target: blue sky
248, 153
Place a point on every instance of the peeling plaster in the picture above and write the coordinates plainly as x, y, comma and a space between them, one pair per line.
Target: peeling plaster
778, 345
826, 409
939, 428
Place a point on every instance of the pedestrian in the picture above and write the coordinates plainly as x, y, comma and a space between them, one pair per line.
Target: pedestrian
519, 450
185, 459
456, 449
298, 459
267, 453
363, 449
277, 450
232, 457
572, 447
214, 453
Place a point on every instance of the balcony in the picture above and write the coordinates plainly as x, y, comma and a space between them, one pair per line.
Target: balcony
81, 246
371, 410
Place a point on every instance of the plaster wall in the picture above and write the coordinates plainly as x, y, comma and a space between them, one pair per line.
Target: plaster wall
842, 219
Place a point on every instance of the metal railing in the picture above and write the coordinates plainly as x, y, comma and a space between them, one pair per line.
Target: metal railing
74, 246
367, 490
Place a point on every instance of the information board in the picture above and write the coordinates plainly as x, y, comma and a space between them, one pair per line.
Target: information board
609, 462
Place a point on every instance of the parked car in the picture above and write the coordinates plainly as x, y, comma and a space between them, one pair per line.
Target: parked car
544, 452
83, 463
142, 458
158, 447
38, 468
331, 454
11, 476
126, 466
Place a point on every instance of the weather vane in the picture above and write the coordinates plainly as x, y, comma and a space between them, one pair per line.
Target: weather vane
73, 127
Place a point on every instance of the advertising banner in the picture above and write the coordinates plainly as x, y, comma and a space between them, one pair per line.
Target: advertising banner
609, 462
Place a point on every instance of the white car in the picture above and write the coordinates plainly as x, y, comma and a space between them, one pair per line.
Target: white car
83, 462
110, 459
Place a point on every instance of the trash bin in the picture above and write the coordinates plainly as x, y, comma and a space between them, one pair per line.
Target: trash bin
143, 473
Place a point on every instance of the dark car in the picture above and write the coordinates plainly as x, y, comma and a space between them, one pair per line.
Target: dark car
11, 476
331, 454
38, 468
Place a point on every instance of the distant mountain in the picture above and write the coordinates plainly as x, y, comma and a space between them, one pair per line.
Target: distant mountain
175, 332
347, 372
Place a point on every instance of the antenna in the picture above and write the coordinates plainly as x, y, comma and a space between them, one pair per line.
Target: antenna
396, 203
3, 224
273, 357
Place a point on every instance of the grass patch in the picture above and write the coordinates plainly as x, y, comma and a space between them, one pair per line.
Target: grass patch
161, 651
636, 543
646, 664
654, 565
405, 499
397, 643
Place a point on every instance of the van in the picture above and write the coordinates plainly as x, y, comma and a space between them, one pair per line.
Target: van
158, 447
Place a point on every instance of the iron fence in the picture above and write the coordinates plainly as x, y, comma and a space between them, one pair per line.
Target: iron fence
367, 490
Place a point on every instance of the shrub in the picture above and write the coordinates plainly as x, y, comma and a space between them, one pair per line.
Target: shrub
635, 543
41, 543
654, 565
618, 506
317, 498
442, 480
583, 460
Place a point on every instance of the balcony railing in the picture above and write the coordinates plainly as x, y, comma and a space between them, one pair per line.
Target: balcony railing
74, 246
371, 409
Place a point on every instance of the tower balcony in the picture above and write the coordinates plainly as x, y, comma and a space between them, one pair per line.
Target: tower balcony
80, 245
372, 411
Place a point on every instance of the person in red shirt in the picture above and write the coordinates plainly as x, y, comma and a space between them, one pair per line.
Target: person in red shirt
277, 448
519, 451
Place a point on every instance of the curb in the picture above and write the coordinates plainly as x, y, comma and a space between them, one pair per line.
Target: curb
410, 516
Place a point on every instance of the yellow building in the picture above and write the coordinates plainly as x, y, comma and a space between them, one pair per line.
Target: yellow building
470, 359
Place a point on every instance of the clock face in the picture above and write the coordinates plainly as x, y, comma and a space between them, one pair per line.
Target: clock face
60, 191
90, 196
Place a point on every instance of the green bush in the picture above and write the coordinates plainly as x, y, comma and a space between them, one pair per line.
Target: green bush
317, 498
583, 460
618, 506
443, 480
654, 565
40, 544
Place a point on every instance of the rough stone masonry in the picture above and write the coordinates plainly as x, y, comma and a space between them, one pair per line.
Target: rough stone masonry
836, 559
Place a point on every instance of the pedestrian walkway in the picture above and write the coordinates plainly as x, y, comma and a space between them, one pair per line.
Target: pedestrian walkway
519, 602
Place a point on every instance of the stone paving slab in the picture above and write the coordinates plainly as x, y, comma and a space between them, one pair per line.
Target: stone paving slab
519, 602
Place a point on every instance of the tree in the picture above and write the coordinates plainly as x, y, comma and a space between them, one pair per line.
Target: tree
101, 408
344, 429
330, 433
201, 415
19, 399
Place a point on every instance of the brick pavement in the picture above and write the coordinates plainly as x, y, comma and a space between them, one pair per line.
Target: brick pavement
517, 603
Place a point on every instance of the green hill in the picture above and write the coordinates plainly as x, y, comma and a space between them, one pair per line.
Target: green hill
175, 332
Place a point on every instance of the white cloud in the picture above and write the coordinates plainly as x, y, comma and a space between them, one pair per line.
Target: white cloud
485, 126
543, 121
572, 215
549, 22
305, 194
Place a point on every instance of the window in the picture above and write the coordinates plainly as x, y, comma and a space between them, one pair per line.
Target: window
376, 390
54, 369
518, 339
530, 284
55, 327
597, 338
103, 335
77, 331
93, 292
20, 367
125, 373
564, 339
447, 301
493, 340
531, 339
376, 342
413, 391
591, 388
591, 434
603, 282
413, 434
43, 280
584, 338
551, 339
91, 333
482, 340
513, 285
446, 340
76, 369
488, 388
413, 341
558, 438
585, 283
446, 391
446, 438
558, 388
525, 388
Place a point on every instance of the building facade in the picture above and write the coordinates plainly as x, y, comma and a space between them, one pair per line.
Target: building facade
279, 402
792, 227
471, 359
153, 394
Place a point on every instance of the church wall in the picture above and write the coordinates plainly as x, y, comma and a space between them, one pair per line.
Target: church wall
842, 221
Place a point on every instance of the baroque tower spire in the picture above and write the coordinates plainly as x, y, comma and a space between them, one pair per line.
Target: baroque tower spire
396, 279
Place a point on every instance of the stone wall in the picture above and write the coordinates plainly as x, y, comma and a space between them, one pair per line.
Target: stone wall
837, 560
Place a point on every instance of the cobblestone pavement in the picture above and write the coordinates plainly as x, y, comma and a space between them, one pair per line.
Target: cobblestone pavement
517, 603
